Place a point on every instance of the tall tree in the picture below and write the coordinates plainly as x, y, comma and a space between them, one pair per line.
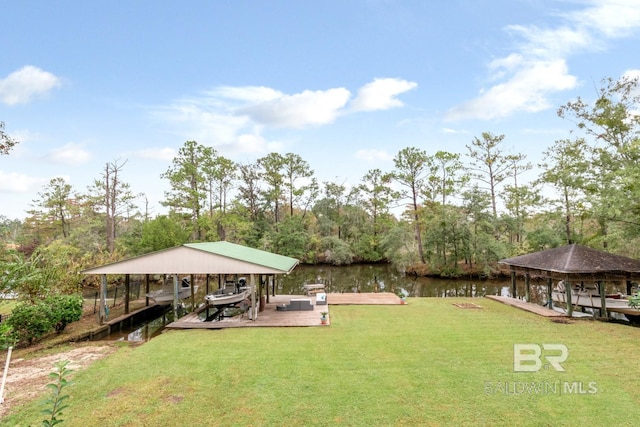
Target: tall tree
188, 183
564, 167
249, 189
296, 169
114, 196
6, 142
411, 167
55, 200
489, 164
376, 196
271, 173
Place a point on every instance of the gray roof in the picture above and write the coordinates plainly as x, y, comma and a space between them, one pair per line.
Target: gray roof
202, 258
576, 261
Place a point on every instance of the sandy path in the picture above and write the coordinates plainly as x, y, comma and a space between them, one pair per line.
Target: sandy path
27, 378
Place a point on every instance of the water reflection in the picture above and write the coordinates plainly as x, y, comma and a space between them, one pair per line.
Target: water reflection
384, 278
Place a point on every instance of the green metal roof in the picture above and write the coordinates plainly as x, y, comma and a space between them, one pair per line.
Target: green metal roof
246, 254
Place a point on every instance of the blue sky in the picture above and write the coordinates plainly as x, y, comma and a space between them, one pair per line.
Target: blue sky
345, 84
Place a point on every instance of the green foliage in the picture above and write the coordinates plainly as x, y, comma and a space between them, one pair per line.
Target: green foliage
64, 310
7, 338
57, 399
29, 322
336, 251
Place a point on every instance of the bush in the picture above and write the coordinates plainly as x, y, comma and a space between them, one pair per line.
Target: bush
30, 322
7, 338
64, 310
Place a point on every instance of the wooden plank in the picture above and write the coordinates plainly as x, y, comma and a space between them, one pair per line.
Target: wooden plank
271, 317
527, 306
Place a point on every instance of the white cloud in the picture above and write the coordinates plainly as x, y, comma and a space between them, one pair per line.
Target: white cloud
526, 90
524, 79
381, 94
70, 154
21, 86
299, 110
12, 182
371, 155
236, 119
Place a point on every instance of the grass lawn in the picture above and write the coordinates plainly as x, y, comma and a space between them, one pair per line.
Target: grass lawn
425, 363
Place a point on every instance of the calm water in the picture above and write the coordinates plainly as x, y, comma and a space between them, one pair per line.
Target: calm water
384, 278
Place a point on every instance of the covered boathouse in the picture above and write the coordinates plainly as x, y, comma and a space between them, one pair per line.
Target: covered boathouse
209, 258
574, 264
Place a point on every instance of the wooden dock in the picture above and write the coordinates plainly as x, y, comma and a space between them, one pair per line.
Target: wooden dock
271, 317
527, 306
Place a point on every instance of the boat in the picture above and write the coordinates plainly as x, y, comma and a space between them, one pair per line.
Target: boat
166, 294
226, 299
615, 303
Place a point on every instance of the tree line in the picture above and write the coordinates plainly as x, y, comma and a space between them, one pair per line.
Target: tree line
438, 213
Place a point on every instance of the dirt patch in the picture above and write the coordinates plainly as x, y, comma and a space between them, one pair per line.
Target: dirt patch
467, 305
27, 377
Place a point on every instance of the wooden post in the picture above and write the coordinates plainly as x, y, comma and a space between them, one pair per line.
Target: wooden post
254, 308
513, 284
192, 279
102, 310
527, 287
127, 291
628, 288
206, 286
550, 293
146, 289
603, 300
175, 297
567, 289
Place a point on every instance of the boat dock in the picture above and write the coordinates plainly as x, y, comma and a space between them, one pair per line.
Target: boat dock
526, 306
272, 317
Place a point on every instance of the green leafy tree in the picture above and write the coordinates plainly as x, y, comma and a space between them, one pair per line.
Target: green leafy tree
294, 170
375, 195
613, 125
489, 164
411, 168
56, 204
564, 167
187, 178
271, 173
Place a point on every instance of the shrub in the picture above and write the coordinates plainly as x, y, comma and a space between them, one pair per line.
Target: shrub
64, 310
30, 322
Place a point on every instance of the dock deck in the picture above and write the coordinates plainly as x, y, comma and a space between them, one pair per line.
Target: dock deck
271, 317
527, 306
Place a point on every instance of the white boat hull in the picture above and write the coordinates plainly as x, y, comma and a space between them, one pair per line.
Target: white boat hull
226, 299
165, 295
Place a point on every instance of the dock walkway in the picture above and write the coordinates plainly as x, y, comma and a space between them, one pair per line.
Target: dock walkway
271, 317
527, 306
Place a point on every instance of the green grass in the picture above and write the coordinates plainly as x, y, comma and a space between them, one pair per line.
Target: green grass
426, 363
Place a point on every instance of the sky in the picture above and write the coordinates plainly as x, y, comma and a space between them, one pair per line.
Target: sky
344, 84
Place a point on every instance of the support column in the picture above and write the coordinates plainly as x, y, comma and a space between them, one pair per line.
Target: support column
527, 287
102, 310
254, 306
127, 291
146, 289
513, 284
192, 279
550, 293
175, 297
603, 300
567, 289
